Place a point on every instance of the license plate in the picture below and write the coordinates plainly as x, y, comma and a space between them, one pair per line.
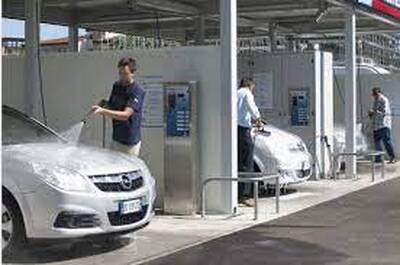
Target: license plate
132, 206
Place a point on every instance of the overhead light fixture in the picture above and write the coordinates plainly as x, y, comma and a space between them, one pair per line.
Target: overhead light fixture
323, 10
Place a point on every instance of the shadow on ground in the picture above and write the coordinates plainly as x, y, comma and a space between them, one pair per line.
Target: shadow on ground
36, 253
254, 248
264, 193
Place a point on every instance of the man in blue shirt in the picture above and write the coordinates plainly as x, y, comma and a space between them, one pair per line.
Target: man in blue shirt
125, 107
247, 113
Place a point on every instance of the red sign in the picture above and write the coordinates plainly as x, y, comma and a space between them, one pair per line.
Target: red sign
390, 7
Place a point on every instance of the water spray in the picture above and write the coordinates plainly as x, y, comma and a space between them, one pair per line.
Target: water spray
73, 134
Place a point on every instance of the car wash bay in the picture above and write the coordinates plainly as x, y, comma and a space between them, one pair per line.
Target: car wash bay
215, 69
212, 67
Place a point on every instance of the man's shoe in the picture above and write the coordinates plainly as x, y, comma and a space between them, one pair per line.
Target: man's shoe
241, 204
241, 201
392, 161
249, 202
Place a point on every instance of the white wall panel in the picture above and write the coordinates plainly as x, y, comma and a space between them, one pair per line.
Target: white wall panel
309, 70
72, 83
390, 85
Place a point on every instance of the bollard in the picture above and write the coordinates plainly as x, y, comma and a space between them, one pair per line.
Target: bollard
373, 168
255, 192
277, 194
203, 200
255, 181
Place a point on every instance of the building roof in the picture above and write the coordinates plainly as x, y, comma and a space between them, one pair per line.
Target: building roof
6, 39
57, 41
178, 19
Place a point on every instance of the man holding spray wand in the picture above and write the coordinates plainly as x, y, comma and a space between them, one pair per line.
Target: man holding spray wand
125, 107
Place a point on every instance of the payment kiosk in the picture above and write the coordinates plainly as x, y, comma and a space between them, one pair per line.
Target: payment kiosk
299, 107
182, 180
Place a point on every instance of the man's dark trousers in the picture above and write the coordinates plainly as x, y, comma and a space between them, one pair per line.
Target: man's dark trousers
383, 135
245, 155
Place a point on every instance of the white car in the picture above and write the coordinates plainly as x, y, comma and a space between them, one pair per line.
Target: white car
55, 190
279, 151
340, 139
340, 143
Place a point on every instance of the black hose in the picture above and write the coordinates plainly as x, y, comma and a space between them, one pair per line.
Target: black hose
103, 143
40, 67
359, 90
337, 86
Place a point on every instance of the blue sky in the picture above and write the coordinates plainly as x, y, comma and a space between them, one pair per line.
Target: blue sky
15, 28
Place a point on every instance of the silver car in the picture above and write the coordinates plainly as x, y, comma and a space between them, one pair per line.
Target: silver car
56, 190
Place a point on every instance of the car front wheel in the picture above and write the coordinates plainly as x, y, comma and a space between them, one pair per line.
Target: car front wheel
12, 229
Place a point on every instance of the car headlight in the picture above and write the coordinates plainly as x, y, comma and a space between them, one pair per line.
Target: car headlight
145, 172
300, 147
304, 146
62, 178
293, 147
148, 177
149, 180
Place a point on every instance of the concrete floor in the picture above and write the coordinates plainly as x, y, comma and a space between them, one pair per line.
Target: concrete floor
357, 229
169, 234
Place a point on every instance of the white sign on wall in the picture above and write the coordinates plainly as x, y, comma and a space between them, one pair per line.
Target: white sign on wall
153, 113
264, 90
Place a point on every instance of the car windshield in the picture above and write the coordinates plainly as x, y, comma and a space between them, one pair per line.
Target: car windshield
18, 129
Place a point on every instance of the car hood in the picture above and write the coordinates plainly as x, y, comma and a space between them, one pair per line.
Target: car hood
274, 147
277, 133
84, 159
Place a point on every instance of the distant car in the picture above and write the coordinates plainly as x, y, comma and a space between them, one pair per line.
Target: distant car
55, 190
279, 151
340, 143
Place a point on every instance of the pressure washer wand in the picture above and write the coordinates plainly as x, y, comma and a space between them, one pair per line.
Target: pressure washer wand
261, 130
102, 103
84, 120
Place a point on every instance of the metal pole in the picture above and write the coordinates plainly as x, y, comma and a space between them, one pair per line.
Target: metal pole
228, 114
272, 36
383, 168
373, 168
203, 199
246, 180
255, 192
335, 159
350, 85
200, 30
31, 76
277, 194
73, 38
104, 132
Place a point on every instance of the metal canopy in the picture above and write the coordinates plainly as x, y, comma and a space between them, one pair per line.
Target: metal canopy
178, 19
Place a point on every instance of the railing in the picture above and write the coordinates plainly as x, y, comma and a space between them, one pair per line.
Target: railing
371, 154
244, 177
